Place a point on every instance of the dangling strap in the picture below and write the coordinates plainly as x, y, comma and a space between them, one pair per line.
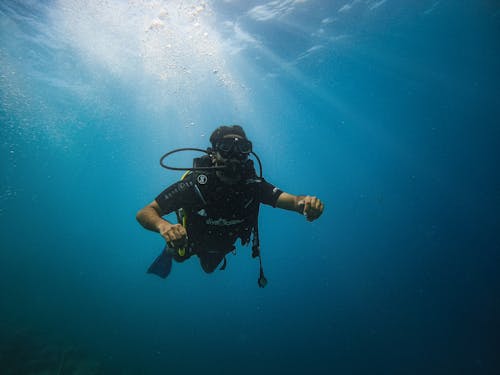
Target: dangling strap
223, 267
261, 281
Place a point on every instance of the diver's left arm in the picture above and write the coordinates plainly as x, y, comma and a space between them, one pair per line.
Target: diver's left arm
310, 207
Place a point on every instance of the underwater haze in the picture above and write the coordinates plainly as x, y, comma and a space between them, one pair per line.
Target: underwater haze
387, 110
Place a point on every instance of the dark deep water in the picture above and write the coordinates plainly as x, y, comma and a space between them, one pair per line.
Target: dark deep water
386, 110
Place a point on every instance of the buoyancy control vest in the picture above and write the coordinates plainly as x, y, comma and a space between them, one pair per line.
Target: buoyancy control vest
227, 212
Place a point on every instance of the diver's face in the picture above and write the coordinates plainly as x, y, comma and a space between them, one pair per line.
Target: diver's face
232, 160
230, 149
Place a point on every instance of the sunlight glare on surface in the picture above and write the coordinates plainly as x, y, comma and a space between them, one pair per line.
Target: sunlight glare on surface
169, 46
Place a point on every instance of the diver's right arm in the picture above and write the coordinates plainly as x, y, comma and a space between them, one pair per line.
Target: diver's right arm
150, 217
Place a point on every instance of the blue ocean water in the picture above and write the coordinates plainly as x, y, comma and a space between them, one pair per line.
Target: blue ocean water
387, 110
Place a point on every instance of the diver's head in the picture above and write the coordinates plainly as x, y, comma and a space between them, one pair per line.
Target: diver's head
231, 149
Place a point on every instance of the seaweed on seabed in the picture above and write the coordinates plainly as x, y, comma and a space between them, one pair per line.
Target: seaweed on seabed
24, 353
74, 363
21, 353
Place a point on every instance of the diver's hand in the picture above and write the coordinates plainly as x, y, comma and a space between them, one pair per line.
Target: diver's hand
174, 234
312, 207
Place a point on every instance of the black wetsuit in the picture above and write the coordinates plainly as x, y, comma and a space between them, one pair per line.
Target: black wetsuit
217, 213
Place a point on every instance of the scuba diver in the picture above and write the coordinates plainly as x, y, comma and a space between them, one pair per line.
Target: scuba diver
216, 203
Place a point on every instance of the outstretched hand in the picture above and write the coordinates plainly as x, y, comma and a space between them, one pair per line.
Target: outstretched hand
312, 207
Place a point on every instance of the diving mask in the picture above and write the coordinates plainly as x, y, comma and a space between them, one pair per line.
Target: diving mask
234, 147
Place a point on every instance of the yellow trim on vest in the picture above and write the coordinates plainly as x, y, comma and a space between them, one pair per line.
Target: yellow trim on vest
182, 251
